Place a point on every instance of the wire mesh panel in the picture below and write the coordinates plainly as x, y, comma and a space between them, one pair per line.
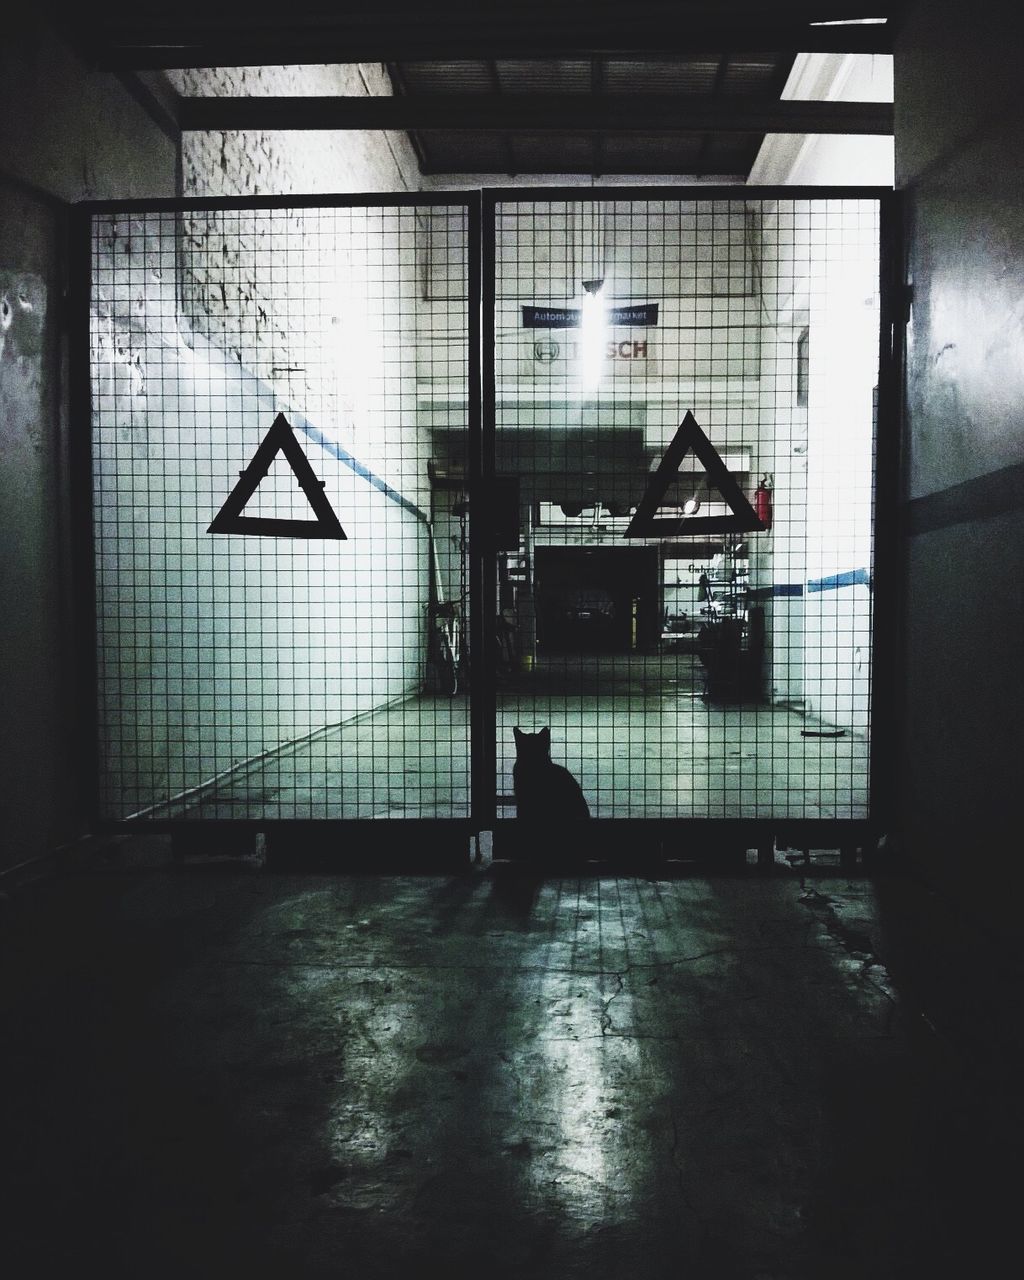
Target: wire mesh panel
685, 394
281, 622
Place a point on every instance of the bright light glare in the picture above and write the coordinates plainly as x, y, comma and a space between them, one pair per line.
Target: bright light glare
593, 330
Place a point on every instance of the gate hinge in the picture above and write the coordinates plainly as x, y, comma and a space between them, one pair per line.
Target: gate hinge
905, 295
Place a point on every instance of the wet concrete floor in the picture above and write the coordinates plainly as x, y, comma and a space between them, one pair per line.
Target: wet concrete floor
637, 753
235, 1072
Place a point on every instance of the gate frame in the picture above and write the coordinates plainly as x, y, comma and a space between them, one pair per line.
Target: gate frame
358, 834
481, 210
762, 834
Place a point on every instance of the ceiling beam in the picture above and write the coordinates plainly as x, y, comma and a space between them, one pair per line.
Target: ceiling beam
541, 113
157, 96
153, 47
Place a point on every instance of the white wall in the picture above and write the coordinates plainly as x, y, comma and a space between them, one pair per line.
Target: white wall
321, 313
823, 501
368, 344
736, 288
695, 261
831, 159
820, 268
288, 162
844, 371
67, 132
217, 648
778, 558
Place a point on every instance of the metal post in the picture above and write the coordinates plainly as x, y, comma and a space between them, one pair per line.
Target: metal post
482, 559
886, 629
83, 566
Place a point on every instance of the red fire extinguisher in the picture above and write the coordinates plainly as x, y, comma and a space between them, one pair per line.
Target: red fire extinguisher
763, 501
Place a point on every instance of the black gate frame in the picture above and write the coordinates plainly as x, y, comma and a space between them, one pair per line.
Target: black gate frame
662, 835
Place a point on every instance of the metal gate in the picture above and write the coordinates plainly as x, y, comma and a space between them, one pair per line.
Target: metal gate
375, 482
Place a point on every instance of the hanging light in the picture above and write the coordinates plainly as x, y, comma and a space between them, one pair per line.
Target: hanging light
592, 333
692, 504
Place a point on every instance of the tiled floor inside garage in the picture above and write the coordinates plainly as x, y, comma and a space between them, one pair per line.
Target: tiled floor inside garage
222, 1070
636, 732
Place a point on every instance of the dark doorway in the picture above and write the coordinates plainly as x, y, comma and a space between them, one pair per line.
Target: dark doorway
597, 599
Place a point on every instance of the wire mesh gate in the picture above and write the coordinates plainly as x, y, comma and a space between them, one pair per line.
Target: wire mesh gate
338, 560
269, 578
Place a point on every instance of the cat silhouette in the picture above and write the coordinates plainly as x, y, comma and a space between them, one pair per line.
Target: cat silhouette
544, 791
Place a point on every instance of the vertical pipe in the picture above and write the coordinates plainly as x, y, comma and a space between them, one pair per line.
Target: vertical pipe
482, 561
527, 603
885, 573
83, 566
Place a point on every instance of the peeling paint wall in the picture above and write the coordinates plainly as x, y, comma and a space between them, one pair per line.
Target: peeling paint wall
290, 162
215, 650
73, 132
66, 133
69, 133
960, 135
815, 159
32, 635
227, 275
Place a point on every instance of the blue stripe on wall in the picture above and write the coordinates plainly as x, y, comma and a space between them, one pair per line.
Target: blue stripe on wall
779, 589
987, 496
852, 578
336, 451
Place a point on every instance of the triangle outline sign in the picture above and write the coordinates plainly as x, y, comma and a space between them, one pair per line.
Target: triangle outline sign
690, 436
279, 439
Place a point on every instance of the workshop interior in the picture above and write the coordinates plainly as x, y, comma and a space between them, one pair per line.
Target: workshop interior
511, 618
656, 539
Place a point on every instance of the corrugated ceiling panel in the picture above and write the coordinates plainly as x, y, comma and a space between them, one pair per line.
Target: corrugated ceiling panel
544, 77
698, 75
464, 152
651, 153
728, 155
446, 77
731, 152
752, 75
668, 75
553, 153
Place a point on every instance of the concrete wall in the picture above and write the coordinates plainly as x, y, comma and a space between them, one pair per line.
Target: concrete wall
960, 134
819, 273
217, 649
843, 328
829, 673
823, 158
778, 567
69, 133
695, 261
321, 313
66, 133
286, 162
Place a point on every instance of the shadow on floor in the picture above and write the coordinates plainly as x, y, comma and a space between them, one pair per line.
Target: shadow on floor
502, 1073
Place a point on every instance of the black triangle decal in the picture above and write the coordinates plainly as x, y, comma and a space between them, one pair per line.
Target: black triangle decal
689, 436
279, 439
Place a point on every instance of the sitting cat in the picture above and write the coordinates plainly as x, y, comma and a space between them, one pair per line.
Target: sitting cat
544, 791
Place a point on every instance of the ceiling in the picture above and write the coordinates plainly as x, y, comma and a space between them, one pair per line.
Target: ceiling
651, 87
596, 116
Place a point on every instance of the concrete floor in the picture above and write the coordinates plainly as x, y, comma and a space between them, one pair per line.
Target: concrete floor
634, 731
226, 1071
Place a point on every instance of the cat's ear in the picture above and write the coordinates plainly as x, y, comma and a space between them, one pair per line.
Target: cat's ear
545, 736
518, 733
